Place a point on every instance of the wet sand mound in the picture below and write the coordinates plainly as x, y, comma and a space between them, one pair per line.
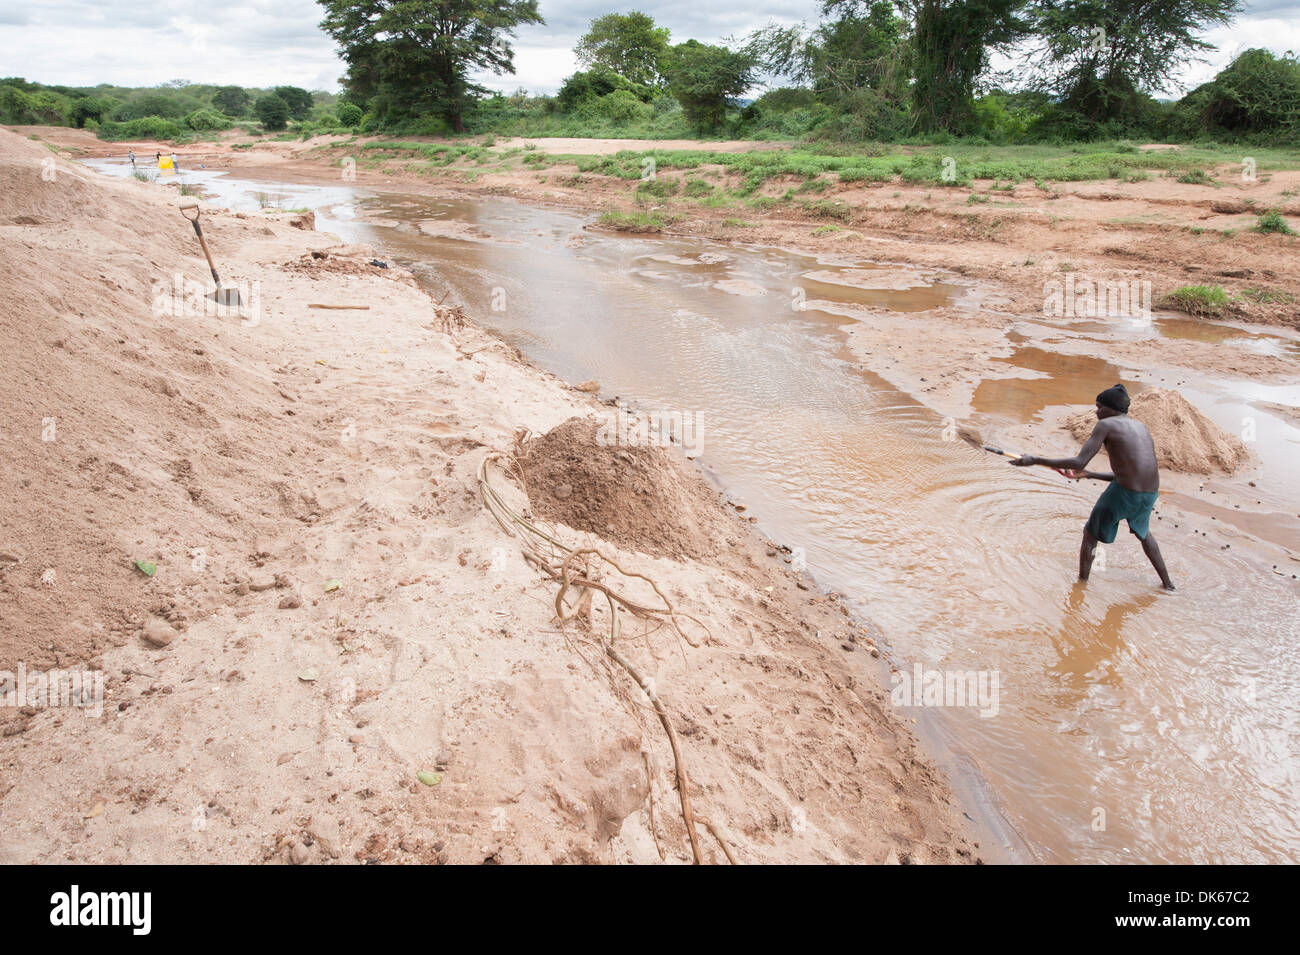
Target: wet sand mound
642, 498
346, 260
1186, 440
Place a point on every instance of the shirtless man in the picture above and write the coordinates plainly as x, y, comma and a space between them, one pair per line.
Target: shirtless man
1132, 491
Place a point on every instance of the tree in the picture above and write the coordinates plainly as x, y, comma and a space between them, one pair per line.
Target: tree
1099, 54
1257, 93
272, 111
414, 57
232, 100
150, 103
862, 46
951, 42
90, 107
706, 79
628, 44
297, 99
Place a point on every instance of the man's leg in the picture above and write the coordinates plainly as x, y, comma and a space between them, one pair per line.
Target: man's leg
1087, 551
1152, 550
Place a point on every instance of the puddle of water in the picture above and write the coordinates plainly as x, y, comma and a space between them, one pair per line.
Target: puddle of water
243, 195
1059, 380
1132, 725
1280, 344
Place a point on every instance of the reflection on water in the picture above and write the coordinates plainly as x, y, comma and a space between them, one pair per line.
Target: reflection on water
1133, 725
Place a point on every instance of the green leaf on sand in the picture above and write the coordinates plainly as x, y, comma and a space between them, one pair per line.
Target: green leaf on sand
148, 568
428, 778
309, 676
332, 585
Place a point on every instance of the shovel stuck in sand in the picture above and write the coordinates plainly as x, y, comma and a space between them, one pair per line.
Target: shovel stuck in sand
222, 296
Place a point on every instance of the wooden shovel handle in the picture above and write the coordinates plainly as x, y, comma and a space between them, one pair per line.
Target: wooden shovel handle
198, 230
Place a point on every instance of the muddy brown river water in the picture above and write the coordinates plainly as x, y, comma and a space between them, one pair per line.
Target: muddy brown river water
1129, 725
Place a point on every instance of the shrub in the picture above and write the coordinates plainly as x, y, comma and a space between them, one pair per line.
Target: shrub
272, 111
1257, 93
205, 119
349, 114
1273, 222
623, 107
147, 127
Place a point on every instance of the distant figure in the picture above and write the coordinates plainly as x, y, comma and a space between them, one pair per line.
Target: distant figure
131, 156
175, 165
1133, 487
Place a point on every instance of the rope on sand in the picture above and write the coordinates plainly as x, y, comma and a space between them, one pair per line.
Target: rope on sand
576, 568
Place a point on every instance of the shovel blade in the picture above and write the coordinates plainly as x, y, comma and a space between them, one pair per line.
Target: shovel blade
226, 296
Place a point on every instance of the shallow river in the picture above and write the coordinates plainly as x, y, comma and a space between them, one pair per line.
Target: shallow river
1130, 724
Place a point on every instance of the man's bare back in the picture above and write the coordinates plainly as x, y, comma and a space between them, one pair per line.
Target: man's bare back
1131, 451
1134, 483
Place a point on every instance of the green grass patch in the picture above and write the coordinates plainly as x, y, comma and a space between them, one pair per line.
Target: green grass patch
633, 221
1272, 222
1266, 296
1207, 300
697, 189
656, 188
829, 209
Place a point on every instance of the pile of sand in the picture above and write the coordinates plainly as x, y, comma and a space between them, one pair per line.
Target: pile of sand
643, 498
129, 433
1186, 440
346, 260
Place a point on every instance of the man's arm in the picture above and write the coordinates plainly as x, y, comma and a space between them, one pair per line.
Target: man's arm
1076, 463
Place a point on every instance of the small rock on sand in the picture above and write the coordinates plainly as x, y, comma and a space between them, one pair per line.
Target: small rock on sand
590, 387
290, 601
158, 632
324, 831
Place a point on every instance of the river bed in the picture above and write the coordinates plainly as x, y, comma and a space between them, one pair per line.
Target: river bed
1128, 724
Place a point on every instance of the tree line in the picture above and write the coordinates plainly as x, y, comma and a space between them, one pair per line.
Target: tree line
868, 69
170, 111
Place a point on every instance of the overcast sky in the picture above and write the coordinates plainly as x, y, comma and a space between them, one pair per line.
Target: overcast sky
274, 42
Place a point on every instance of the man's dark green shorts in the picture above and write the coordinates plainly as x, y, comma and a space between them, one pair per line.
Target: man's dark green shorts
1117, 503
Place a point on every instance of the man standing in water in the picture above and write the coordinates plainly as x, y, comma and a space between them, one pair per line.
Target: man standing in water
1132, 491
